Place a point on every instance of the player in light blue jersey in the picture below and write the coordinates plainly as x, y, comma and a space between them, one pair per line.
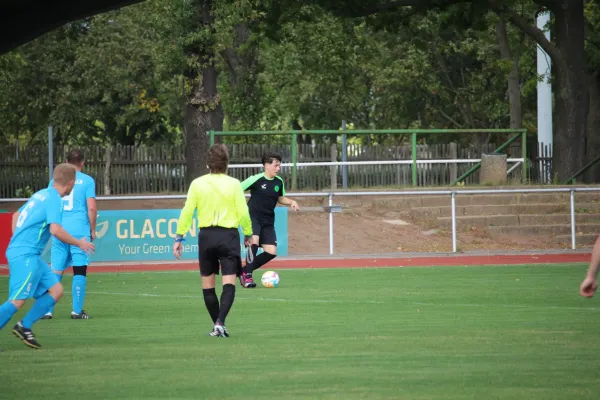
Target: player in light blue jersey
30, 276
79, 220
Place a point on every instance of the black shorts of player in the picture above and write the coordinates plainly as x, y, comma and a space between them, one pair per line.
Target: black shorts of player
265, 230
219, 246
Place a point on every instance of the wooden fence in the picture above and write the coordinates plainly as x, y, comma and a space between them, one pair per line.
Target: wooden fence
161, 169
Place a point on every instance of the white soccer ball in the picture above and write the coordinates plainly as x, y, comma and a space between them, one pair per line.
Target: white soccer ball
270, 279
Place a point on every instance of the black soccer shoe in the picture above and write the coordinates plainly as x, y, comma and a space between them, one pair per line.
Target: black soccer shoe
26, 335
47, 316
83, 315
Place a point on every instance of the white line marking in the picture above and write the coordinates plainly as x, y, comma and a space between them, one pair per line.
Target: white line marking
407, 303
237, 297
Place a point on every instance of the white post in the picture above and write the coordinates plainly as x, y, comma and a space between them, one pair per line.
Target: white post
573, 243
544, 92
453, 222
330, 224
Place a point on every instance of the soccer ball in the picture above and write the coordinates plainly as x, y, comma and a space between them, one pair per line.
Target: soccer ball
270, 279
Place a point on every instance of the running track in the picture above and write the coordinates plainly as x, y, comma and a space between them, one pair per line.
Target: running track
363, 262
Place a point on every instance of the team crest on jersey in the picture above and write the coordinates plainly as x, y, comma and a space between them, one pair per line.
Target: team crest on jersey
276, 188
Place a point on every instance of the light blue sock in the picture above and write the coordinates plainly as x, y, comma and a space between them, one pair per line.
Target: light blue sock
79, 284
7, 310
52, 308
40, 307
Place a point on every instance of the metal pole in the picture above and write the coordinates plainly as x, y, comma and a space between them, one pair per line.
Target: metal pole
414, 158
573, 243
330, 224
524, 168
544, 90
344, 156
50, 154
453, 222
294, 161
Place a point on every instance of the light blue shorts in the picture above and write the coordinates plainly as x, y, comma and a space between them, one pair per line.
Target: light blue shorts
30, 276
64, 255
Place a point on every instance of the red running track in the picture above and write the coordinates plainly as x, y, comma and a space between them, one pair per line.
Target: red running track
366, 262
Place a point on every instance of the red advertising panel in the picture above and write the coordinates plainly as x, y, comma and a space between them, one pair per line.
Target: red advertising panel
5, 234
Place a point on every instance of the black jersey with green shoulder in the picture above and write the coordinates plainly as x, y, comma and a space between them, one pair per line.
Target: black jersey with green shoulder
264, 194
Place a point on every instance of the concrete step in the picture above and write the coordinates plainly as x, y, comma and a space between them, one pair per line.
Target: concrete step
486, 210
483, 221
508, 209
586, 239
403, 202
497, 232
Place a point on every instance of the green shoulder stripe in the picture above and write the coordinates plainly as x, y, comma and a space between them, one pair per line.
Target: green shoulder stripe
282, 185
251, 180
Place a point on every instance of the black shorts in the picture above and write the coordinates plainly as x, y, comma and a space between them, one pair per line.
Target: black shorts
219, 247
265, 230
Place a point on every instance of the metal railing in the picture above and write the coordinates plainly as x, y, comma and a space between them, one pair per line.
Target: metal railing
519, 133
332, 209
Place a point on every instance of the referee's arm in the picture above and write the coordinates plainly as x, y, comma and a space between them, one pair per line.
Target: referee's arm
243, 214
187, 213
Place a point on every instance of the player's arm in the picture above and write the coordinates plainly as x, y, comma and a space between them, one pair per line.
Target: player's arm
90, 195
92, 216
15, 218
286, 201
590, 283
187, 213
59, 232
241, 209
54, 218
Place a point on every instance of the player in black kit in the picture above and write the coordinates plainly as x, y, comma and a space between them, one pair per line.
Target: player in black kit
266, 190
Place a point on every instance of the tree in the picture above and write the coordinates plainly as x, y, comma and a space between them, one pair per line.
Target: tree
203, 108
567, 55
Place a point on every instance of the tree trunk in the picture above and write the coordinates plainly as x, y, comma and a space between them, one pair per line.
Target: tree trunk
571, 97
514, 91
593, 129
203, 110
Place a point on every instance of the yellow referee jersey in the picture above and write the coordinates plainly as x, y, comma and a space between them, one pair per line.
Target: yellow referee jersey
219, 201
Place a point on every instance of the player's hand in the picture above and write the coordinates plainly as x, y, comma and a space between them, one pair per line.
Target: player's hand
247, 240
294, 206
588, 286
86, 246
92, 236
177, 249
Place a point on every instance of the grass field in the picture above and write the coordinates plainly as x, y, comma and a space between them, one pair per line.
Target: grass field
514, 332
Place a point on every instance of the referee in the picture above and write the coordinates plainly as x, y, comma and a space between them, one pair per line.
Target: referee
221, 208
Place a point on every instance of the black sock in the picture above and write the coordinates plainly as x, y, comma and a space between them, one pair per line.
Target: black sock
262, 259
226, 302
212, 303
249, 267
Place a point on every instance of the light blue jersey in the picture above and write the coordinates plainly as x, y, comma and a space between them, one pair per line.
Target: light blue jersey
32, 231
75, 217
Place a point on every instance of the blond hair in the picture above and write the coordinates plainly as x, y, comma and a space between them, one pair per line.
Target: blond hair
64, 173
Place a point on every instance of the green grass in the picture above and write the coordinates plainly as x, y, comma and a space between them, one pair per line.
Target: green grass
517, 332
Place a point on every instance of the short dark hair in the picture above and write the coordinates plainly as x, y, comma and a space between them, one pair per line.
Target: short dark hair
75, 156
218, 158
268, 158
64, 173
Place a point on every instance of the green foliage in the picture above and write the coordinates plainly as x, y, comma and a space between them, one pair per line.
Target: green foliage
122, 76
117, 68
25, 192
